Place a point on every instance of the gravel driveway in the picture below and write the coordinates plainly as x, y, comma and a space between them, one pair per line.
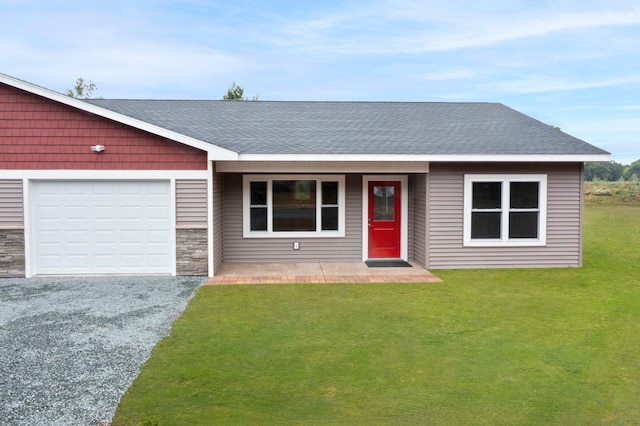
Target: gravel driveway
70, 347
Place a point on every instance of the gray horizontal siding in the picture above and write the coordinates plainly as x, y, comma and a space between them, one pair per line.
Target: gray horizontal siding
255, 250
418, 231
191, 203
445, 247
11, 204
217, 221
411, 219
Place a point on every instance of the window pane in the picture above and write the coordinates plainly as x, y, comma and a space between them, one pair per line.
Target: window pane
258, 193
524, 195
485, 225
383, 202
523, 225
294, 205
258, 219
329, 192
487, 195
330, 218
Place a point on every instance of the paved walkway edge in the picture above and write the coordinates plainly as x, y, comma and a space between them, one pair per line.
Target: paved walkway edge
351, 279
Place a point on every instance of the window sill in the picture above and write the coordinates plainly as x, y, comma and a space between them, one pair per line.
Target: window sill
333, 234
519, 243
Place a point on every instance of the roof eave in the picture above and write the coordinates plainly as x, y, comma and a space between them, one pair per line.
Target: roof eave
448, 158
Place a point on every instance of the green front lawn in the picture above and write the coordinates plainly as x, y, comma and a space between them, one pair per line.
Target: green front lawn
544, 346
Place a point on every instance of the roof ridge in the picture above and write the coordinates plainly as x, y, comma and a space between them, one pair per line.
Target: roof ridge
261, 101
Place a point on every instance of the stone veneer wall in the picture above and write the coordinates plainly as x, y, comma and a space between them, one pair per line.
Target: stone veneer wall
192, 255
12, 253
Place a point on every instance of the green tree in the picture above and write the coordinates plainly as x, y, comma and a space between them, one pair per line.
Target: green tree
236, 93
82, 90
632, 171
609, 171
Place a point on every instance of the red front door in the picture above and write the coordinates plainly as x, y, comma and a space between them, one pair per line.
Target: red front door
384, 219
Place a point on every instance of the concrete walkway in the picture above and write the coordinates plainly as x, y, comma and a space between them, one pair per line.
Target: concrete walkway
322, 272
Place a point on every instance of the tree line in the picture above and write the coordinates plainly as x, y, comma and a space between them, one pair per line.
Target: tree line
610, 171
84, 90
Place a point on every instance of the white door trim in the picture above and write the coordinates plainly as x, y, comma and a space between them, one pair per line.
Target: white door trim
404, 226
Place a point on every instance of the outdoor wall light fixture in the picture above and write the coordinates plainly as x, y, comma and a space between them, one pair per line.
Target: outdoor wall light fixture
97, 148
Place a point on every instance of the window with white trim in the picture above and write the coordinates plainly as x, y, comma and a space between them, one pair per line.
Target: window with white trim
297, 206
505, 210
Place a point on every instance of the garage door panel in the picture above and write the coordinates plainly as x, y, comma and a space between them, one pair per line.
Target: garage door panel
100, 248
158, 213
77, 237
102, 212
50, 260
132, 260
48, 212
80, 261
158, 237
131, 249
131, 213
76, 213
131, 236
158, 261
47, 238
104, 261
78, 246
104, 236
102, 227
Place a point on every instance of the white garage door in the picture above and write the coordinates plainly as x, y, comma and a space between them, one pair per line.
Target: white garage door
102, 227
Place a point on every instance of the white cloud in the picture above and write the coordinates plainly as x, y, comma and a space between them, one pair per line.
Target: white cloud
628, 126
455, 74
457, 96
618, 135
375, 30
542, 84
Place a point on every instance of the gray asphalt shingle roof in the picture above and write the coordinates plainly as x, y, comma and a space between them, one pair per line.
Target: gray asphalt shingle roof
418, 128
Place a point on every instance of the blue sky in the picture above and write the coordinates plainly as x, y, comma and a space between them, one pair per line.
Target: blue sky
573, 64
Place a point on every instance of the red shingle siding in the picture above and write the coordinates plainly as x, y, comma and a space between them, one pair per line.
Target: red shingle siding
38, 133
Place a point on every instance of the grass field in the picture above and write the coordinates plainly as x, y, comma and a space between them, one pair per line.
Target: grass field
617, 193
544, 346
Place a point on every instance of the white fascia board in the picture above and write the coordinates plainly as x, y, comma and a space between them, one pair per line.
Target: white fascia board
214, 152
322, 167
422, 158
327, 157
598, 158
47, 174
